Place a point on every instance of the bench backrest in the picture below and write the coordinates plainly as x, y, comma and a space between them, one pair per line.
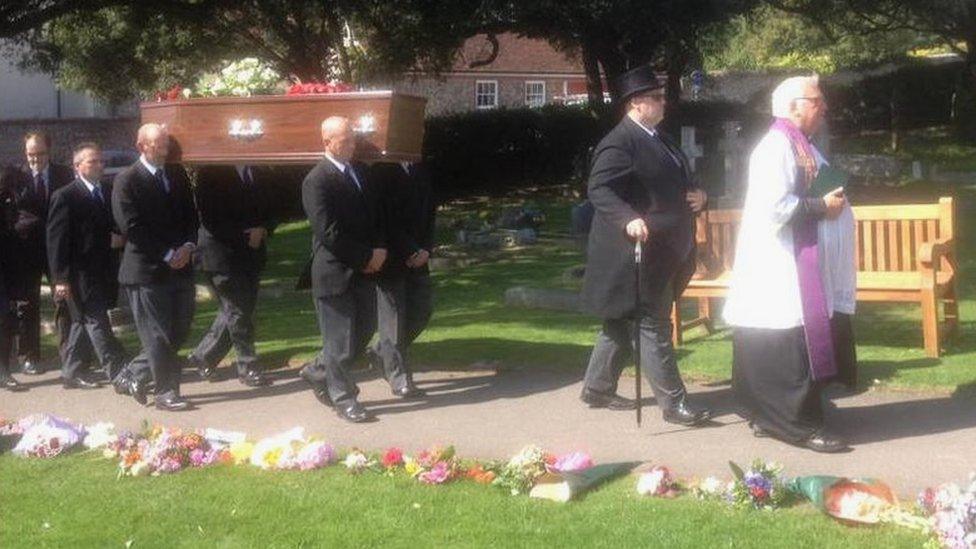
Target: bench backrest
888, 237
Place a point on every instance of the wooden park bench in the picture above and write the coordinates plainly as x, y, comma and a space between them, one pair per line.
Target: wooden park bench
905, 253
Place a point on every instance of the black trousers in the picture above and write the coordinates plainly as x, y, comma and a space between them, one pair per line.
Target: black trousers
845, 348
403, 307
163, 313
6, 342
29, 332
234, 324
347, 322
614, 346
90, 329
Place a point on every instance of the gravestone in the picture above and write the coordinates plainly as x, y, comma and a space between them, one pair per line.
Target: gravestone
693, 151
732, 148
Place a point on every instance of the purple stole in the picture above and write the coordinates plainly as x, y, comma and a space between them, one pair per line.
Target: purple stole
816, 317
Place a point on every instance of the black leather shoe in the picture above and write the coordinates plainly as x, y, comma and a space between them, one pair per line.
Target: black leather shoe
255, 379
409, 391
354, 413
79, 383
683, 414
825, 443
31, 368
758, 431
612, 402
11, 384
205, 372
138, 390
172, 404
318, 389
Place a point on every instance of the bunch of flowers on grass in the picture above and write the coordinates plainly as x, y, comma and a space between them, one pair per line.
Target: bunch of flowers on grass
658, 481
45, 436
436, 465
952, 513
523, 469
761, 486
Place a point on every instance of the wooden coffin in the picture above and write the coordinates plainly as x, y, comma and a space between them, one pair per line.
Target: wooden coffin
285, 129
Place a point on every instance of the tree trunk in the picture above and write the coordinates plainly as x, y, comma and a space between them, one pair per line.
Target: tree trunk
594, 82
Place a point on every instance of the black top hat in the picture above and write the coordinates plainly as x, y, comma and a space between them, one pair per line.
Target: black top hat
637, 80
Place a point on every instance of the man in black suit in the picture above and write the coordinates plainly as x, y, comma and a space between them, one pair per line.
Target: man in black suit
642, 191
403, 290
39, 182
153, 207
8, 216
234, 203
347, 250
79, 244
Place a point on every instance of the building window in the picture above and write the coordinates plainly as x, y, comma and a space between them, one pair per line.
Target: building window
535, 93
486, 94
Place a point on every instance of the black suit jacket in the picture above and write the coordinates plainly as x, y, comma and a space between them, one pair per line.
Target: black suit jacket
31, 225
634, 175
79, 244
228, 207
344, 225
8, 216
153, 222
407, 211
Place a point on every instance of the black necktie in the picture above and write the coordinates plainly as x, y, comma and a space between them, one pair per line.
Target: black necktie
97, 194
161, 180
39, 187
349, 175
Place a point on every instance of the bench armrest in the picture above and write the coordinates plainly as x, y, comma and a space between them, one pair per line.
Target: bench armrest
934, 257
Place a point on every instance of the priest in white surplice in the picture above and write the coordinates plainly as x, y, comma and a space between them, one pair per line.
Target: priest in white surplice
782, 292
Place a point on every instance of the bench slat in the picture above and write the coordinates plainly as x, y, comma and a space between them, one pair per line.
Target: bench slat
907, 250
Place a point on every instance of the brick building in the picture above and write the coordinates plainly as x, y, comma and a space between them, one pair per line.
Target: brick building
525, 72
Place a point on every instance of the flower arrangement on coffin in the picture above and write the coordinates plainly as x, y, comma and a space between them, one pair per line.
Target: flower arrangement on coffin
304, 88
241, 78
47, 436
951, 511
762, 486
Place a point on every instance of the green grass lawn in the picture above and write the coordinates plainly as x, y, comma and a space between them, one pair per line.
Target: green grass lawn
930, 145
76, 501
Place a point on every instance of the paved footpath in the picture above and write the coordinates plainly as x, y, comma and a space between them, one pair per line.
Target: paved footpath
910, 441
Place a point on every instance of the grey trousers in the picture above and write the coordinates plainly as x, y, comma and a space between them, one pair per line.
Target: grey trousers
234, 323
90, 328
347, 322
614, 346
163, 313
403, 310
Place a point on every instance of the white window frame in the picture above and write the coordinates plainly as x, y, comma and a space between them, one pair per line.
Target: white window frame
543, 99
477, 84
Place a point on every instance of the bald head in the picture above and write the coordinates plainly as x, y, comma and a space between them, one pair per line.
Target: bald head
338, 138
153, 142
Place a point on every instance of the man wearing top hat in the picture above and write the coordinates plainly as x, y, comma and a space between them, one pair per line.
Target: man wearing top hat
642, 191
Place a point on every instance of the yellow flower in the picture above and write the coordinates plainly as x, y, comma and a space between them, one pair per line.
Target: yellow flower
241, 452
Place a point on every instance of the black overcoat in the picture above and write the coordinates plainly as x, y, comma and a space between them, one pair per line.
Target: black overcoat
636, 175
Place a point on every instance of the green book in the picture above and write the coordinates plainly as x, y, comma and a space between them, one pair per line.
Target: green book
828, 178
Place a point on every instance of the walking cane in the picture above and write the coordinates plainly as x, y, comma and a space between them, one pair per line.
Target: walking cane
637, 339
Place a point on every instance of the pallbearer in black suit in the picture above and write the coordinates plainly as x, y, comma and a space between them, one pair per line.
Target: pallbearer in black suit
79, 245
235, 220
403, 291
38, 184
153, 206
347, 251
8, 215
641, 189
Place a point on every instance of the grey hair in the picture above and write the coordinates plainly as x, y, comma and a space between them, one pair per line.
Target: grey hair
790, 90
80, 149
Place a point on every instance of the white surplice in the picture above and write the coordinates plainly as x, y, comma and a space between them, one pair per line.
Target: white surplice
764, 290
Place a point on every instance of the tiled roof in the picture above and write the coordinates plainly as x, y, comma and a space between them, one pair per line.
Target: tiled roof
516, 54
